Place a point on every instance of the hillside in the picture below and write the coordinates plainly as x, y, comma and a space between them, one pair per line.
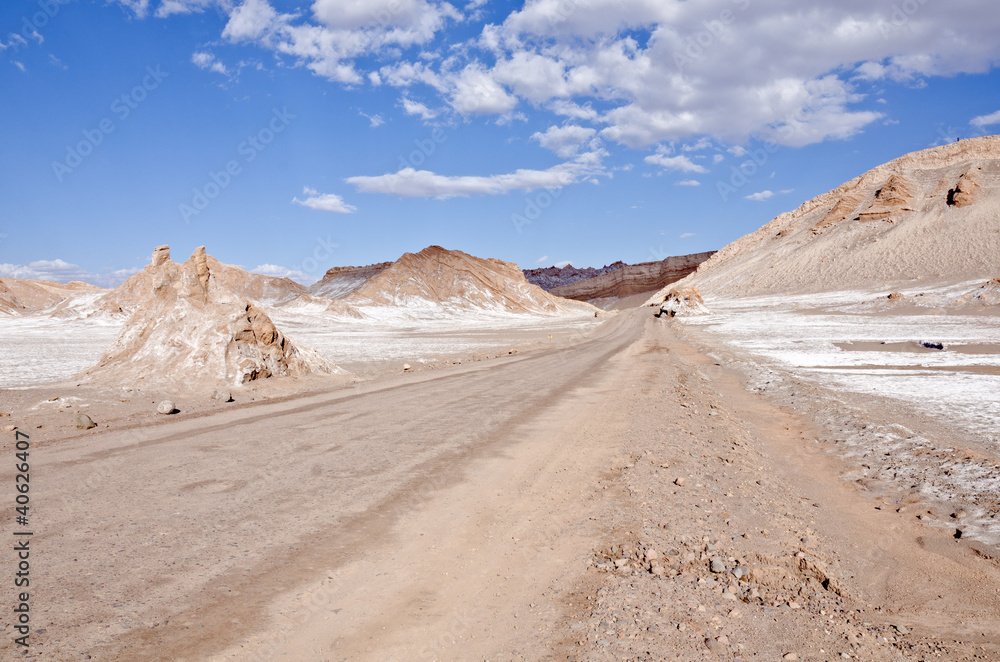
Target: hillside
929, 217
437, 281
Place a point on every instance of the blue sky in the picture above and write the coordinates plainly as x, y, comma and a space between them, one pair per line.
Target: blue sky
289, 137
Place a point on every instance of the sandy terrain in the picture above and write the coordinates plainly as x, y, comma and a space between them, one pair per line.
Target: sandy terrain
561, 503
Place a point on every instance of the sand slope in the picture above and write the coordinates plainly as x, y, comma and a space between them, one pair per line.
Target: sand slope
928, 217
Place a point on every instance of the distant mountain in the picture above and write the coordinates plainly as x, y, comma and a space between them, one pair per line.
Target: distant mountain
548, 278
616, 281
434, 282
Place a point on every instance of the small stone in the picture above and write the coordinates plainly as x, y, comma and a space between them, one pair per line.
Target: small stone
900, 629
657, 570
717, 566
652, 555
789, 656
724, 640
959, 514
679, 482
714, 646
84, 422
740, 571
846, 656
794, 605
681, 627
222, 395
9, 428
620, 562
653, 628
166, 407
406, 367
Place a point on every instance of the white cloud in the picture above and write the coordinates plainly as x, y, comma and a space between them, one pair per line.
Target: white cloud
411, 183
60, 271
679, 162
986, 120
688, 182
542, 260
411, 107
687, 235
718, 158
565, 141
375, 120
138, 7
278, 271
760, 196
561, 265
206, 60
171, 7
251, 20
324, 202
19, 65
476, 93
737, 151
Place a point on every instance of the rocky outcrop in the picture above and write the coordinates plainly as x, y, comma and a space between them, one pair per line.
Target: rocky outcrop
682, 301
190, 329
964, 193
633, 279
892, 198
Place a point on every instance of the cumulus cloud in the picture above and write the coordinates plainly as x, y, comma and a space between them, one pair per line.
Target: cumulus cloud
679, 162
688, 182
411, 183
565, 141
688, 235
324, 202
60, 271
542, 260
640, 72
760, 196
986, 120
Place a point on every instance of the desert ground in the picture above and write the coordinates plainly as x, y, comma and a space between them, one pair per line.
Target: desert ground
789, 454
576, 516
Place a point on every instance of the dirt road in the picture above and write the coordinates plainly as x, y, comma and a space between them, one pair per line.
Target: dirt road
567, 504
179, 540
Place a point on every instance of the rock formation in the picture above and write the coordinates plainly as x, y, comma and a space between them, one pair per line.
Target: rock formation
682, 301
258, 288
189, 328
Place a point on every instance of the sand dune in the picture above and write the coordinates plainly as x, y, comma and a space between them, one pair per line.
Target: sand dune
928, 217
